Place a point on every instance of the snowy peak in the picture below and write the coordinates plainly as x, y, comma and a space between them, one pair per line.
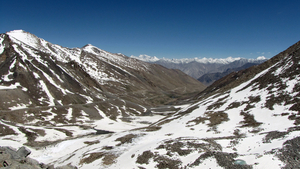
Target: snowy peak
261, 58
17, 31
24, 37
145, 58
91, 49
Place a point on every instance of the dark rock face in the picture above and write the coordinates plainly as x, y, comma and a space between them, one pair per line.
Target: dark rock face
10, 158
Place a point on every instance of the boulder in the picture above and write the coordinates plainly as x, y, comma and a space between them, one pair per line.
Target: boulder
23, 152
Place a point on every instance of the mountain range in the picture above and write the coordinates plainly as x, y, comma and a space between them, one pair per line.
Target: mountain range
40, 78
246, 119
206, 70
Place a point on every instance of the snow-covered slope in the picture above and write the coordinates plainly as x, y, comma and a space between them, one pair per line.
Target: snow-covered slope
251, 123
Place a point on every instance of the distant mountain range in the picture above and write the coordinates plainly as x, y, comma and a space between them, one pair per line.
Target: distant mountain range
147, 58
197, 67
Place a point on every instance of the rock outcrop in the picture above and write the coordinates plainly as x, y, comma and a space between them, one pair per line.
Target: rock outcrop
18, 159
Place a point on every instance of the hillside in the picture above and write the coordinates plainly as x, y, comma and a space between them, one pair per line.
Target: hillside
250, 122
43, 84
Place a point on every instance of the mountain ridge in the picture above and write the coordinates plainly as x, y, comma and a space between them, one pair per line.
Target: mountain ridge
40, 80
209, 78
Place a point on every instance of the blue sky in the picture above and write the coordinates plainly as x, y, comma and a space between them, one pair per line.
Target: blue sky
162, 28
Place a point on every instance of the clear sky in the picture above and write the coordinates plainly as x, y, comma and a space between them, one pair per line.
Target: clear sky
161, 28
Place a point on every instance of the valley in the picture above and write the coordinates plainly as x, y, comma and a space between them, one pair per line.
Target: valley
88, 108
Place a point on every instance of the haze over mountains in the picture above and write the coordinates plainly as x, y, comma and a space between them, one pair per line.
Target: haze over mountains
94, 109
206, 70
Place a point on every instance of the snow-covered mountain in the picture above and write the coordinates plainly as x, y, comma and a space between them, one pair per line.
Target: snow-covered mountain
48, 85
197, 67
247, 119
